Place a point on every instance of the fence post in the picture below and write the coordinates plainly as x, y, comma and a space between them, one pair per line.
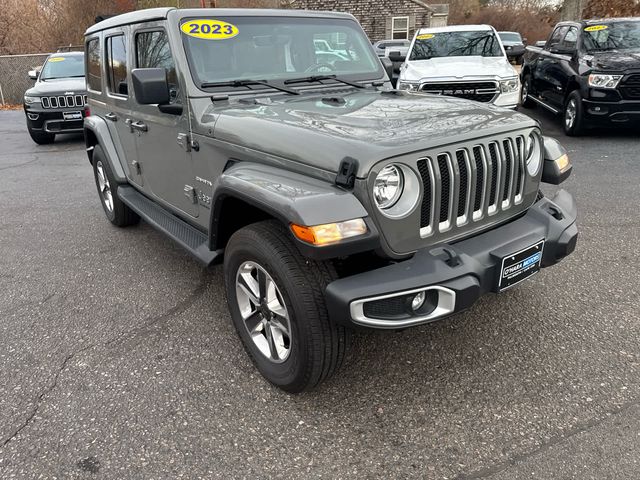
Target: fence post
1, 94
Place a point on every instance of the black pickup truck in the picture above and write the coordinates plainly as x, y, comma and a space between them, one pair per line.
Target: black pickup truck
589, 71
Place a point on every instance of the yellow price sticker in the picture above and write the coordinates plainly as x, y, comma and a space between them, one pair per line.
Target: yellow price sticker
209, 29
57, 59
425, 36
595, 28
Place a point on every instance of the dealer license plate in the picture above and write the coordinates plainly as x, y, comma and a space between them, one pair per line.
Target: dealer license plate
520, 266
72, 115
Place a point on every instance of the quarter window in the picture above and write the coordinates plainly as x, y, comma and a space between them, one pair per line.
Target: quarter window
400, 27
94, 65
117, 65
153, 51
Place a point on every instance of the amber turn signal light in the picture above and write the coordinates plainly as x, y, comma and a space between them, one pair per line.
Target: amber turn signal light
329, 233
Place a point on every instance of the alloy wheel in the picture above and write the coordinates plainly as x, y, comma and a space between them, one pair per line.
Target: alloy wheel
263, 312
570, 114
104, 186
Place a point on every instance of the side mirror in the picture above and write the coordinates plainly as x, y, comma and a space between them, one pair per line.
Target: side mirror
557, 167
396, 56
150, 85
524, 41
387, 64
541, 43
33, 74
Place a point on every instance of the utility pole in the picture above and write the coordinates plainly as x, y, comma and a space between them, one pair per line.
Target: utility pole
572, 9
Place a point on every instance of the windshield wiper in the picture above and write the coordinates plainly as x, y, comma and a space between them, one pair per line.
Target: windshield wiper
318, 78
58, 78
246, 83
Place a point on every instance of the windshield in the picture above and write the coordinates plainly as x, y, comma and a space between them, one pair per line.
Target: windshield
510, 37
58, 66
455, 44
612, 36
277, 49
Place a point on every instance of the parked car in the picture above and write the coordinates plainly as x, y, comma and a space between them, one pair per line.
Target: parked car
465, 61
514, 46
334, 201
383, 47
588, 71
57, 101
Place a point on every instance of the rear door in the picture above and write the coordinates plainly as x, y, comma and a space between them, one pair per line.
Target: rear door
166, 163
117, 110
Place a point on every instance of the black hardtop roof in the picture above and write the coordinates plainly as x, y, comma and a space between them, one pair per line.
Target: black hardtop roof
151, 14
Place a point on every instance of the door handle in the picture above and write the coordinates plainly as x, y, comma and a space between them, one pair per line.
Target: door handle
140, 126
111, 116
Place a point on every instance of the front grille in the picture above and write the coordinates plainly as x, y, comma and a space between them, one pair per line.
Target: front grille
465, 185
630, 88
478, 91
64, 101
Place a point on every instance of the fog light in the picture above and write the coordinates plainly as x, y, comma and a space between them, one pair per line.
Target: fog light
33, 116
418, 301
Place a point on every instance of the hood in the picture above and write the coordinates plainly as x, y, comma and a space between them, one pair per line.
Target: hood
59, 86
613, 60
320, 130
457, 68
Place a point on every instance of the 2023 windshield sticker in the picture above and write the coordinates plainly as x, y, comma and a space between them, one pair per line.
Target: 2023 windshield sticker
209, 29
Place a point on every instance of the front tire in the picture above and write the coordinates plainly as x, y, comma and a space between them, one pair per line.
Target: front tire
116, 210
41, 138
277, 305
574, 115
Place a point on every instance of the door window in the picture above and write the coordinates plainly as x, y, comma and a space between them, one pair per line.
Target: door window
556, 37
94, 65
570, 39
153, 51
117, 65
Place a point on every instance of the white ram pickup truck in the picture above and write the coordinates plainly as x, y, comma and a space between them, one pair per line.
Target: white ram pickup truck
465, 61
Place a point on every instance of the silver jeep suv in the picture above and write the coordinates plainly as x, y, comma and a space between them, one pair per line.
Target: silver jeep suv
334, 202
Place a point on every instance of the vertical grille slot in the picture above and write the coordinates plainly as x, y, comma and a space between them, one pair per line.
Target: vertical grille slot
61, 101
464, 182
445, 185
478, 156
520, 166
508, 163
54, 102
45, 102
79, 102
495, 166
70, 101
427, 205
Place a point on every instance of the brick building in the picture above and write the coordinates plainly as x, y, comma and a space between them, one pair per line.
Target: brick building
384, 19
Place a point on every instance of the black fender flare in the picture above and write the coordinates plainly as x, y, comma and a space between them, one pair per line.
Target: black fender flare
96, 131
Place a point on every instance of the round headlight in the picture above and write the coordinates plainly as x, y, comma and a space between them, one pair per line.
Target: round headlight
387, 187
533, 153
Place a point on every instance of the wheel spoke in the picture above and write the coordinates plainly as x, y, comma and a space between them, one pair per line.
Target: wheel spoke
249, 286
273, 349
254, 322
262, 284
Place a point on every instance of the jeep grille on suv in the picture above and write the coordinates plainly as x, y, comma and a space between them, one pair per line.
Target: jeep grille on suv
478, 91
465, 185
64, 101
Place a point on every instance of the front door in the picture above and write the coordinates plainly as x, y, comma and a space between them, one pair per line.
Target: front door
166, 164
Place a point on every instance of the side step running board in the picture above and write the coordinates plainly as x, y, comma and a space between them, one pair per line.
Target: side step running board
190, 238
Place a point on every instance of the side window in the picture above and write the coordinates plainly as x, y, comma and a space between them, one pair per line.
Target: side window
94, 65
117, 65
570, 39
556, 37
153, 51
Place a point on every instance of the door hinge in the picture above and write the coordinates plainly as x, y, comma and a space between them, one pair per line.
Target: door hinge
185, 141
190, 193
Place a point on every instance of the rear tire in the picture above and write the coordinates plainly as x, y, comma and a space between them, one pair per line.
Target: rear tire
573, 118
41, 138
525, 99
282, 319
116, 210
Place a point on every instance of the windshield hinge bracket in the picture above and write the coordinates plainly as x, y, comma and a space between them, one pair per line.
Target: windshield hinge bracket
347, 171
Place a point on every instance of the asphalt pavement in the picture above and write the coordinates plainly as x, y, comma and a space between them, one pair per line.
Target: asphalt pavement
118, 359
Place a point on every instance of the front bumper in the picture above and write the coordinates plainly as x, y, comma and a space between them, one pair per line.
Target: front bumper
623, 111
460, 276
51, 120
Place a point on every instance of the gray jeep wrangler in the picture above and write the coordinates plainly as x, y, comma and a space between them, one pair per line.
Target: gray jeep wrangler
335, 202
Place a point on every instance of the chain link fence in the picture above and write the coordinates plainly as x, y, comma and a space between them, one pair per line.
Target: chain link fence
14, 78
